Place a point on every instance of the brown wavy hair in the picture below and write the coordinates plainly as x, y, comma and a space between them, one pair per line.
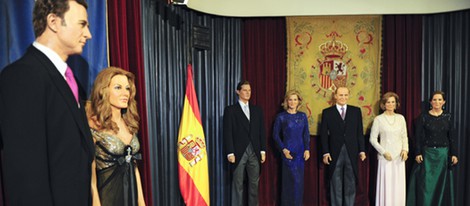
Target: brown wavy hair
289, 93
42, 8
98, 108
385, 99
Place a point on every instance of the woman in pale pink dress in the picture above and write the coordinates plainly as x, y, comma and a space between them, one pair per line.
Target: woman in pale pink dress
392, 150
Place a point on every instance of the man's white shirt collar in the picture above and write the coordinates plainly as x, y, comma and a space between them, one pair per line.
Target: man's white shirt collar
243, 104
338, 107
59, 64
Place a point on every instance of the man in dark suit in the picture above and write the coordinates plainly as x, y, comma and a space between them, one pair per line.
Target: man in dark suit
342, 141
245, 144
47, 143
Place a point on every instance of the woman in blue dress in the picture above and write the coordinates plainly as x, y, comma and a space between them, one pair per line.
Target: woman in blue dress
292, 137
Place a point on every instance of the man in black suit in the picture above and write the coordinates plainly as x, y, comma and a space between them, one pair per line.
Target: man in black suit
342, 141
245, 144
47, 143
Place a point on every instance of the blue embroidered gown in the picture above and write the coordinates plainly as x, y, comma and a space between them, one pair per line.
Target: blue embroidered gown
291, 132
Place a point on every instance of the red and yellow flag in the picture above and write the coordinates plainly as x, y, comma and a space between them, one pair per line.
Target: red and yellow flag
192, 153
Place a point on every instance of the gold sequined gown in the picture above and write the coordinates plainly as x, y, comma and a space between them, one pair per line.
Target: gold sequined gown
115, 169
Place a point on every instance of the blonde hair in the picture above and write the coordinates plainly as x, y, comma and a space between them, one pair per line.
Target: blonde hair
385, 98
98, 108
289, 93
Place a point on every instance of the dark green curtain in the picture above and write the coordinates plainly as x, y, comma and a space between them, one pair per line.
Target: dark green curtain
446, 67
167, 39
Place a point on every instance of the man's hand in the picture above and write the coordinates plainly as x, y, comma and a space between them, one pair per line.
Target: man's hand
327, 159
231, 158
263, 157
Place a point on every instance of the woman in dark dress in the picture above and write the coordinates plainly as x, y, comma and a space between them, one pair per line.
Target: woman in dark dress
431, 180
292, 137
114, 122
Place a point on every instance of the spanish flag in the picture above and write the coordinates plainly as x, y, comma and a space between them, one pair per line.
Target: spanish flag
192, 154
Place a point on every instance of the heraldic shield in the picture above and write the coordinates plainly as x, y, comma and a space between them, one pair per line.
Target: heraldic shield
191, 149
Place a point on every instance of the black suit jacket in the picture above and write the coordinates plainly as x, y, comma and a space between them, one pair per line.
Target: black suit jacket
336, 132
239, 131
47, 144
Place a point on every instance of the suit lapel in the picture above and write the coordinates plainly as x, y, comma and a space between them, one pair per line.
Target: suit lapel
338, 114
337, 117
347, 115
63, 88
242, 117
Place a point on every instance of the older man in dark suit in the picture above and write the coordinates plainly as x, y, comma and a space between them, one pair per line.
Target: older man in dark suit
47, 143
245, 144
342, 141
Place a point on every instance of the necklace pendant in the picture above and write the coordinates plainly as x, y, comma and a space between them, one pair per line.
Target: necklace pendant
128, 156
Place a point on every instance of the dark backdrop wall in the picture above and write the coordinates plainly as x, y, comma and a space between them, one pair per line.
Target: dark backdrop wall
422, 53
254, 49
446, 67
167, 41
264, 65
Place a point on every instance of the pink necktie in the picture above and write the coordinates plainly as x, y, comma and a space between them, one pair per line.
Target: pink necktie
71, 82
342, 113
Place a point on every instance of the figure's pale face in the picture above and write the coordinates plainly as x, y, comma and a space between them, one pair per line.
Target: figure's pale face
72, 31
293, 102
391, 104
119, 92
244, 93
437, 101
342, 96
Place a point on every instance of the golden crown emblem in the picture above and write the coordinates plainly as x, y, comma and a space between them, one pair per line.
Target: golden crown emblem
333, 48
